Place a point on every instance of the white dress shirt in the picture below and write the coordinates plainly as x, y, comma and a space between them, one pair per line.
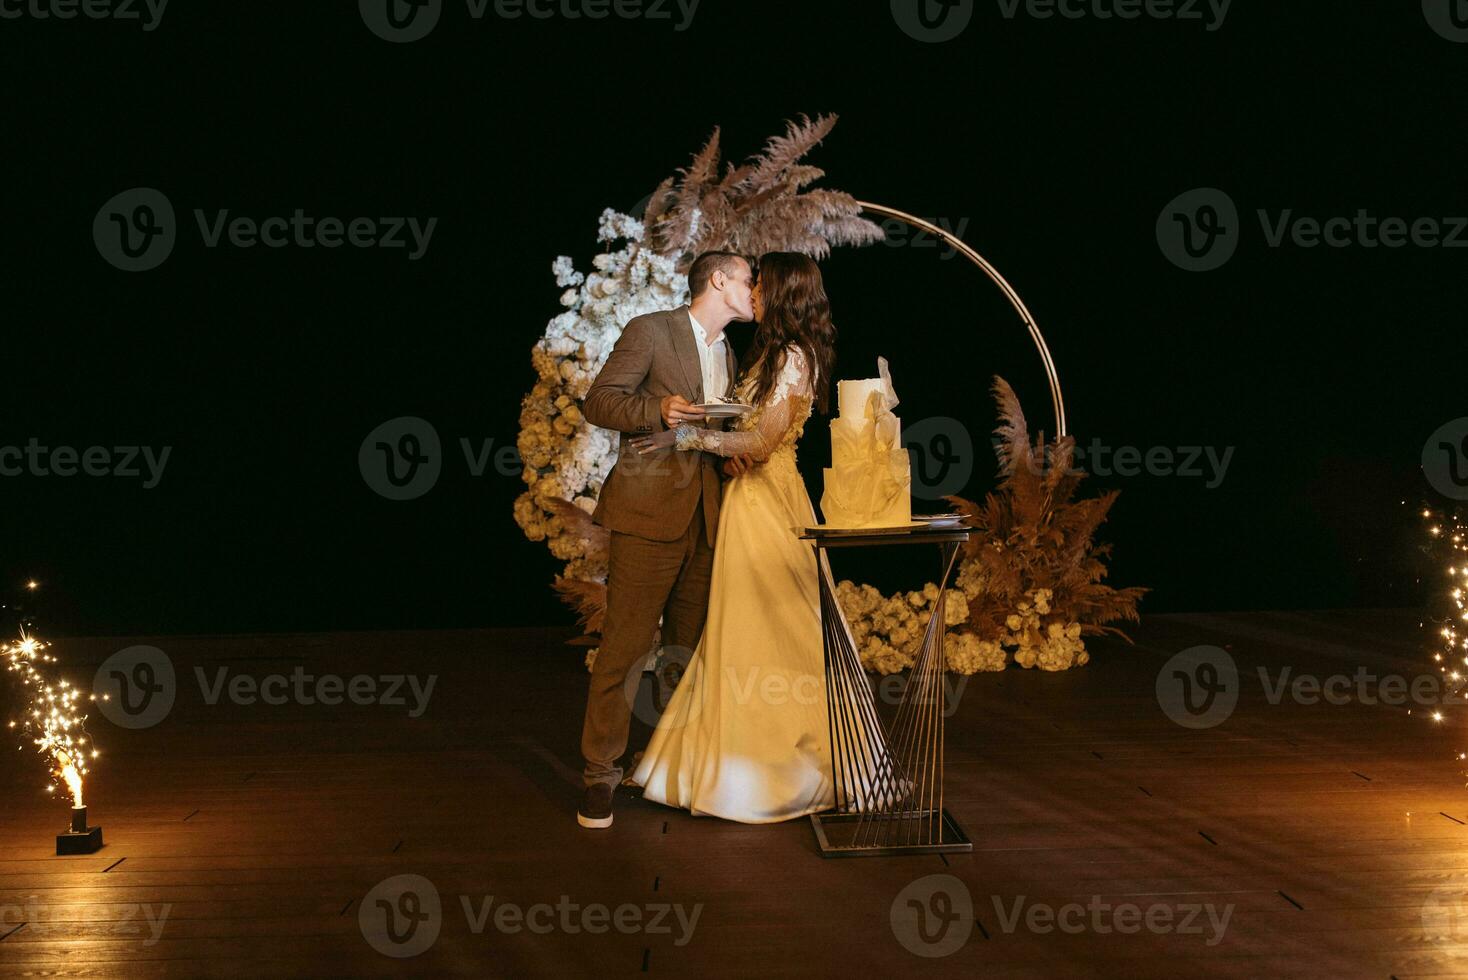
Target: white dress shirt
713, 362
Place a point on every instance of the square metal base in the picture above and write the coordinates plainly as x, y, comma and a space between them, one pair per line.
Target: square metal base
835, 831
89, 842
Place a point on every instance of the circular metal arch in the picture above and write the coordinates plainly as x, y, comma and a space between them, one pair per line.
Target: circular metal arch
1019, 306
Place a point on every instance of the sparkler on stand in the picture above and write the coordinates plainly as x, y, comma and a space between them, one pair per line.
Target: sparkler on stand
54, 723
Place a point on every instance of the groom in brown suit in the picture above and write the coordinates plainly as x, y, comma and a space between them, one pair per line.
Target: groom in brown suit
662, 508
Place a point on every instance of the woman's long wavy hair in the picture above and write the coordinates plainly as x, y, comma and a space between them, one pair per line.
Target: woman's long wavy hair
796, 311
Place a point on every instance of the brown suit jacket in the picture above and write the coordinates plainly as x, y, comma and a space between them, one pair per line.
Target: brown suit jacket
654, 496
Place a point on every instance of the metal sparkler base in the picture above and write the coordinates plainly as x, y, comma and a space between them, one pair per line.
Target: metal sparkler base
835, 834
80, 839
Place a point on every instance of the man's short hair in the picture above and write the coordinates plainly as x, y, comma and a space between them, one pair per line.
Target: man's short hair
707, 264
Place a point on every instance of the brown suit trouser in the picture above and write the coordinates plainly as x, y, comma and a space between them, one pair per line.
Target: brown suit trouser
645, 579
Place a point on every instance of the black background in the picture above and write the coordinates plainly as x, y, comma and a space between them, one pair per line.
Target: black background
1057, 142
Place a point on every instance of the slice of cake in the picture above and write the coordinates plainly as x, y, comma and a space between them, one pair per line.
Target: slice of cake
869, 483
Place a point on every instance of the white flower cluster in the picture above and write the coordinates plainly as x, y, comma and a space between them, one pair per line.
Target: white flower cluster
564, 456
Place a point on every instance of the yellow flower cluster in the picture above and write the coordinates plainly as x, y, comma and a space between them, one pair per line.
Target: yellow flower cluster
1036, 643
967, 654
889, 629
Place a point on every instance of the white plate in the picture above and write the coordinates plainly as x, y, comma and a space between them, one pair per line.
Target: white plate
939, 520
725, 410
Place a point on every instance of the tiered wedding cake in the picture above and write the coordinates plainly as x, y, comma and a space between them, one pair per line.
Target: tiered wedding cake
869, 483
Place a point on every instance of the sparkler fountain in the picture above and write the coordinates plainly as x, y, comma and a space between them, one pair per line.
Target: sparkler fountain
55, 725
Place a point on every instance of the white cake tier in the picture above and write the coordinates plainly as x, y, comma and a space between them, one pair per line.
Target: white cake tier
873, 492
855, 441
851, 397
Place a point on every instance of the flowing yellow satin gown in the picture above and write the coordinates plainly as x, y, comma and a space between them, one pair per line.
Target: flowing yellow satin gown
745, 734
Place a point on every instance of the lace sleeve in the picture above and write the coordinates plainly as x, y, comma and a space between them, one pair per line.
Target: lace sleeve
793, 382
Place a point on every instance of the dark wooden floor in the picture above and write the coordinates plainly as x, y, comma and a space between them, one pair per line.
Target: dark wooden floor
242, 840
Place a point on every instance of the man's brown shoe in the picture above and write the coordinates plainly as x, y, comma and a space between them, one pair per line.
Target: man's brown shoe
596, 807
